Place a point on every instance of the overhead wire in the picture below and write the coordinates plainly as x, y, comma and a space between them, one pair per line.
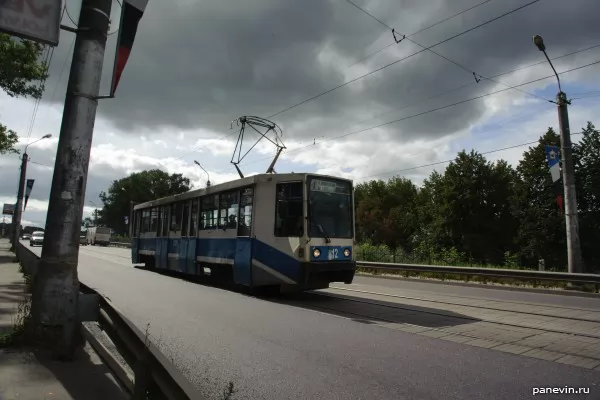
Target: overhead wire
449, 161
470, 71
377, 70
421, 30
403, 58
430, 111
454, 90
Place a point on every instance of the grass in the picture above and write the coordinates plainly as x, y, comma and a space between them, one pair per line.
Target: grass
22, 319
475, 279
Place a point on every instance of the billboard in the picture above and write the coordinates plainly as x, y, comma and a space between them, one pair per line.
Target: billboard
8, 209
37, 20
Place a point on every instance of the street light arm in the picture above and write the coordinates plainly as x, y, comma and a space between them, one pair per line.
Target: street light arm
553, 69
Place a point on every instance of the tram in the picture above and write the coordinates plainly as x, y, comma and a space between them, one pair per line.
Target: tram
289, 232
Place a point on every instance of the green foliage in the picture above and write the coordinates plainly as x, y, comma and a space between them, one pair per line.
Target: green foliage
20, 68
138, 187
482, 213
8, 140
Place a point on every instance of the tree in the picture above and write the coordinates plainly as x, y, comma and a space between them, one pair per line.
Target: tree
385, 212
8, 140
138, 187
20, 68
587, 177
472, 200
541, 232
21, 74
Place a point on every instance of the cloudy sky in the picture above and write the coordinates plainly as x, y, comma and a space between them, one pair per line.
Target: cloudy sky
197, 65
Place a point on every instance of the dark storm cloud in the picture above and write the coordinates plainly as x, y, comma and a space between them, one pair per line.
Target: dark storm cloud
40, 168
201, 64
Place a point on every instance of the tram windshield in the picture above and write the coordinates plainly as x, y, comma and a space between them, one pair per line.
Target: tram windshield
330, 208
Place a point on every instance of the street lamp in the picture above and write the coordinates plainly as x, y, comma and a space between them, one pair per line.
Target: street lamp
19, 206
568, 171
208, 181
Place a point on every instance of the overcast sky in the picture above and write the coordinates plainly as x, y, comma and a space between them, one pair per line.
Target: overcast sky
197, 65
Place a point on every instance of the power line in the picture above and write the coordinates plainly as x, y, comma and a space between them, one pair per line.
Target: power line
49, 55
379, 69
470, 84
62, 70
430, 111
422, 30
470, 71
449, 161
402, 59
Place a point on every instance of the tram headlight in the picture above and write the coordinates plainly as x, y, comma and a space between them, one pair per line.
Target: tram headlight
347, 252
316, 253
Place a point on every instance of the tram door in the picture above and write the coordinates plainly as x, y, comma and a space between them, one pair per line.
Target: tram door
242, 265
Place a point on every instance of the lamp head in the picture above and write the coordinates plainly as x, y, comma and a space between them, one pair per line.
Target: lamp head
539, 42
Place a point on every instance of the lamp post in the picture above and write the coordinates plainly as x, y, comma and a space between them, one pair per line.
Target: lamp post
19, 206
208, 176
574, 257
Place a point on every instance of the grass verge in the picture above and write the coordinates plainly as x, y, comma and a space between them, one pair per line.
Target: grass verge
476, 279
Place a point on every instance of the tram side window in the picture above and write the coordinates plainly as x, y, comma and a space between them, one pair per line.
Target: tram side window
245, 225
194, 218
153, 220
228, 209
176, 217
165, 220
138, 223
289, 213
145, 220
210, 210
184, 221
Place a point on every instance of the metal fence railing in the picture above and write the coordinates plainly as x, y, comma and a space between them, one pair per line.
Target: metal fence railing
153, 372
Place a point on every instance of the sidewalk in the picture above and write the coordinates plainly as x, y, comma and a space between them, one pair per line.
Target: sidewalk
29, 374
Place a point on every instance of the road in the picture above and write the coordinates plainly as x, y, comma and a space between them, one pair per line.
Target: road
271, 350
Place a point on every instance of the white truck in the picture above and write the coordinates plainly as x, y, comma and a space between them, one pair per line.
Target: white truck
98, 235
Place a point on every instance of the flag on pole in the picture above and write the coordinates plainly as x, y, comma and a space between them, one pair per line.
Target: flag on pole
553, 158
131, 13
28, 191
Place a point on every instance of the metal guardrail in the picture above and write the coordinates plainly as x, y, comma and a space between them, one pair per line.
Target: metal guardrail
152, 370
516, 274
525, 275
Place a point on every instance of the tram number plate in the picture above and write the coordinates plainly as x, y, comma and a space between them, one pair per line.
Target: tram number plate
333, 254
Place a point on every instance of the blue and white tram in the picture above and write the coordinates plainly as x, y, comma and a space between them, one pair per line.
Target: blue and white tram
288, 231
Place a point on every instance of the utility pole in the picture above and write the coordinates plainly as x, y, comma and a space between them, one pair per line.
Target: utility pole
56, 288
18, 212
574, 256
19, 206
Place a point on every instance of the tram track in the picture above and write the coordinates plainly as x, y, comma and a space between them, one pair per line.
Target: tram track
487, 307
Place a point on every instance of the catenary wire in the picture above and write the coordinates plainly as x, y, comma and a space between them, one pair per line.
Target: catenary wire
378, 70
461, 66
429, 111
421, 30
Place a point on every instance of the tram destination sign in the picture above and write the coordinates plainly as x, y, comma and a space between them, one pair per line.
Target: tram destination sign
37, 20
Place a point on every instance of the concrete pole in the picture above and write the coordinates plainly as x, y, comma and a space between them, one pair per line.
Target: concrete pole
19, 206
575, 260
56, 288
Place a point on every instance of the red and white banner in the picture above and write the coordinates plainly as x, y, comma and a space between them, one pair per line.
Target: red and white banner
131, 14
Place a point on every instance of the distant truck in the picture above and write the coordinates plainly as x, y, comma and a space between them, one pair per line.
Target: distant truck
98, 235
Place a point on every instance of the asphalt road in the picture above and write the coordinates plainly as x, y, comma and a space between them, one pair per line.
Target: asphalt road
274, 351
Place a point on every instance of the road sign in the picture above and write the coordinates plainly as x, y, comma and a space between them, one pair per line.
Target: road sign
126, 220
37, 20
8, 209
